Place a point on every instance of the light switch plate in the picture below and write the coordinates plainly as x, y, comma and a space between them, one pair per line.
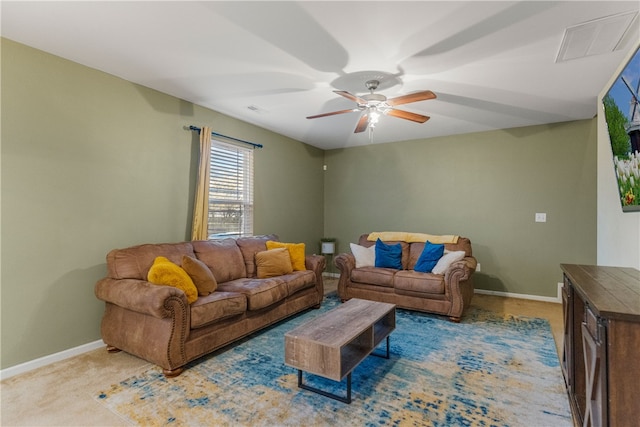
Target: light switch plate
541, 217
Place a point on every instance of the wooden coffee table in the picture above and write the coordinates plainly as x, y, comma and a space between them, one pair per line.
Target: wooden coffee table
334, 343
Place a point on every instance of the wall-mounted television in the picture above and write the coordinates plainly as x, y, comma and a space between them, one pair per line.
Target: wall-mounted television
622, 115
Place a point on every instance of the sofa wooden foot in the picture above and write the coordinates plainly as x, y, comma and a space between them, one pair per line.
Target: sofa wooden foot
317, 306
112, 349
455, 319
171, 373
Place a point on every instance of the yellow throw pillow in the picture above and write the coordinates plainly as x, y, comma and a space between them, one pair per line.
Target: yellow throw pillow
272, 263
200, 274
164, 272
296, 252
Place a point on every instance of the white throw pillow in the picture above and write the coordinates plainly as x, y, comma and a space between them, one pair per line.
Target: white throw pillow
365, 257
446, 260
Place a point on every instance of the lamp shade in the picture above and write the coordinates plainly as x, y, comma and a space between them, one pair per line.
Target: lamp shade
328, 247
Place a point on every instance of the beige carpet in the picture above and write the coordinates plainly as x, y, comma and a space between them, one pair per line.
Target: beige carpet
61, 394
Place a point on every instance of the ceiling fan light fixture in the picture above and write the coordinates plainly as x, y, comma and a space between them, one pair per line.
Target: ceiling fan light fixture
374, 116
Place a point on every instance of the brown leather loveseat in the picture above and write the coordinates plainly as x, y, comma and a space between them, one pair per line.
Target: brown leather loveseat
156, 323
446, 294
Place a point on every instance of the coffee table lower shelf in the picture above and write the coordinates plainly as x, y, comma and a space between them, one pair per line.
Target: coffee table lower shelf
347, 398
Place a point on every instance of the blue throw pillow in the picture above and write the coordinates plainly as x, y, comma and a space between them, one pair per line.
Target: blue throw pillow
429, 257
388, 256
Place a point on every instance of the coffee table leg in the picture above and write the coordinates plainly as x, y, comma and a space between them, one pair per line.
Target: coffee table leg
326, 393
388, 355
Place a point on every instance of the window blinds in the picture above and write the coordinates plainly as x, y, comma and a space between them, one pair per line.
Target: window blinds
230, 191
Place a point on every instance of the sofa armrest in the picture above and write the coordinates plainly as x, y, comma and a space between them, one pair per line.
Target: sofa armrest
346, 263
140, 296
460, 270
459, 284
317, 263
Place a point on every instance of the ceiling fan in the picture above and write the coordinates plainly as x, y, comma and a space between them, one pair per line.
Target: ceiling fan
373, 105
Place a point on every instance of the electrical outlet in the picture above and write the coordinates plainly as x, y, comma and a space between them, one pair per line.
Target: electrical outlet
541, 217
478, 267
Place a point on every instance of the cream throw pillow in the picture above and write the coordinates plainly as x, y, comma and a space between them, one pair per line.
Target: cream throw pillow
273, 263
447, 259
365, 257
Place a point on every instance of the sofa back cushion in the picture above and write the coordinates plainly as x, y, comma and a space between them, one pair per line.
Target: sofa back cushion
363, 241
135, 262
464, 244
223, 257
250, 246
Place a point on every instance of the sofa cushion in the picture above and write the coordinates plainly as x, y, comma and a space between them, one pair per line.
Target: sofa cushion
200, 274
273, 262
217, 306
250, 246
166, 273
223, 257
135, 262
411, 282
298, 280
374, 276
446, 260
260, 293
388, 255
296, 252
429, 257
365, 257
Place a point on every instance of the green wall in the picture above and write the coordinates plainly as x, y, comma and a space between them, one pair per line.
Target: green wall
486, 186
91, 162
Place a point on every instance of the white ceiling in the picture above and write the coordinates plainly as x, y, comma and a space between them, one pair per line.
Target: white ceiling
492, 65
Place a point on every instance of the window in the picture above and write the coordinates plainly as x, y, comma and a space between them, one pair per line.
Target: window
230, 191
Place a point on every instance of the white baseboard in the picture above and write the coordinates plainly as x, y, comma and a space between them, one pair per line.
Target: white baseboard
47, 360
331, 275
557, 299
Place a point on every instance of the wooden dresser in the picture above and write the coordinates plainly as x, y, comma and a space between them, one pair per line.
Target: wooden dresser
601, 357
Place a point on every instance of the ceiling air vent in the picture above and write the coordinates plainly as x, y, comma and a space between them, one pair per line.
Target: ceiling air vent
595, 37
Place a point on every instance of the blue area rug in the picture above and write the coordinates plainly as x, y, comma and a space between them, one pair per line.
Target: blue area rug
488, 370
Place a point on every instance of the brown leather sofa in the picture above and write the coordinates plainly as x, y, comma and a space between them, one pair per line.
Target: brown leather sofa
446, 294
157, 324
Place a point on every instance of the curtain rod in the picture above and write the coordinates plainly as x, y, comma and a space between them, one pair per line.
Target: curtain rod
253, 144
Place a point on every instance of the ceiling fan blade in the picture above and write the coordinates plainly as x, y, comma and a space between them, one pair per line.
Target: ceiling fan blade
412, 97
362, 124
351, 97
333, 113
419, 118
